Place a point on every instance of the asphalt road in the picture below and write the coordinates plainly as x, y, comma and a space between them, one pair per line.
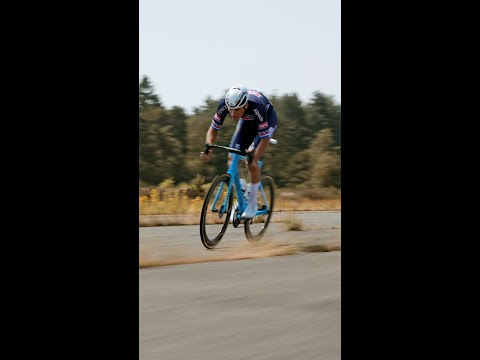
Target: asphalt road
171, 245
265, 307
278, 308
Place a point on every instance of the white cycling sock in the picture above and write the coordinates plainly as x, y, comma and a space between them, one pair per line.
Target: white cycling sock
253, 193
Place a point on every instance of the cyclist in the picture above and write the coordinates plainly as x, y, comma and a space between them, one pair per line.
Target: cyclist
256, 122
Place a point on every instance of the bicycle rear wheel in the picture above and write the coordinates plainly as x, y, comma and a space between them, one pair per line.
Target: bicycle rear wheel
255, 228
215, 212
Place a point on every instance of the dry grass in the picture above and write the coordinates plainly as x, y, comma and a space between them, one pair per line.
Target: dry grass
169, 203
302, 204
176, 201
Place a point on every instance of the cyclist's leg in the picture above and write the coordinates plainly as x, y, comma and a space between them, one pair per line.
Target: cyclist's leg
240, 140
236, 139
272, 126
243, 135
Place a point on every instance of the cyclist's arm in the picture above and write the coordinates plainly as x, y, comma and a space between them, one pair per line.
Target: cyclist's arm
210, 140
211, 136
215, 125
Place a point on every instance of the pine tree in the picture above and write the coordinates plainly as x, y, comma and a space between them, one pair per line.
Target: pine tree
146, 94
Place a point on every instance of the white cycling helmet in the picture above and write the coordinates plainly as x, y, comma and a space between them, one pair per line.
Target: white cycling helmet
236, 97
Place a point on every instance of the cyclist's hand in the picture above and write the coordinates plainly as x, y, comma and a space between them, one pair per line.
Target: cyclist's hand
206, 156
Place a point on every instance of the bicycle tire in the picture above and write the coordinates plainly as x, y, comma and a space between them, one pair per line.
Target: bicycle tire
255, 228
210, 230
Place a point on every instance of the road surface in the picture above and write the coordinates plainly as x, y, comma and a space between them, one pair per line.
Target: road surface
276, 308
264, 307
171, 245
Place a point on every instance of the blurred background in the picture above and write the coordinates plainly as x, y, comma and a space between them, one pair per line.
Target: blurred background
193, 303
192, 52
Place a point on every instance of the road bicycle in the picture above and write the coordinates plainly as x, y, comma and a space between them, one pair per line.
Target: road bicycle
225, 195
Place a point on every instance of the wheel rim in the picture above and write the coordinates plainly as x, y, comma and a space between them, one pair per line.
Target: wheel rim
215, 213
256, 227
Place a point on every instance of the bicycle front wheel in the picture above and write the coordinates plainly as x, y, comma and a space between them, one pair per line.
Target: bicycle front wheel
255, 228
215, 212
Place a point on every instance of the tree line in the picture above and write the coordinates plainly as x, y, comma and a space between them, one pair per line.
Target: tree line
307, 154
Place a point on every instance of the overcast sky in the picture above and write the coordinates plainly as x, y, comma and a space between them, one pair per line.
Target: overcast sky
191, 49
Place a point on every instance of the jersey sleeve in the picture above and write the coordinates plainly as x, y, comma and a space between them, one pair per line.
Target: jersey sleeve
220, 115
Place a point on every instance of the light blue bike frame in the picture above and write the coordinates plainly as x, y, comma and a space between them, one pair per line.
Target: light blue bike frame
235, 180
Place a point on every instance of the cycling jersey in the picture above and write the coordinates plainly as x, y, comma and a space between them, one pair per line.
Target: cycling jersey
255, 117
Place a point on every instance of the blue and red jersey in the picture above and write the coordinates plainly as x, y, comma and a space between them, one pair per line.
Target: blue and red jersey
255, 116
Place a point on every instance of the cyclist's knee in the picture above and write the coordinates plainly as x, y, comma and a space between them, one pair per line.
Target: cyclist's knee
253, 166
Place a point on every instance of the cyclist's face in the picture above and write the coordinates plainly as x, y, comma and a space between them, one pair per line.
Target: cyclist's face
236, 113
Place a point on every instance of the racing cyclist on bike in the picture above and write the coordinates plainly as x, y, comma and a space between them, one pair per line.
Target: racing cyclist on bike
256, 122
